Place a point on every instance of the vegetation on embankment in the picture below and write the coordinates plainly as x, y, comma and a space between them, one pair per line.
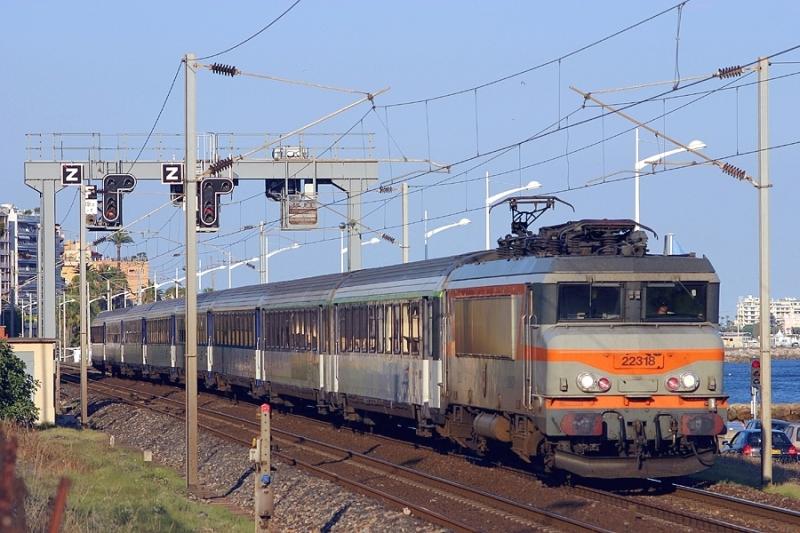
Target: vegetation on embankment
112, 488
736, 471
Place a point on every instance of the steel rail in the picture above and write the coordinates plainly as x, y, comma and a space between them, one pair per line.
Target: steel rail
658, 511
732, 503
483, 501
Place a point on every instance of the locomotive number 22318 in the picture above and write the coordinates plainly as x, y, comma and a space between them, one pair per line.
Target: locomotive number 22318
647, 360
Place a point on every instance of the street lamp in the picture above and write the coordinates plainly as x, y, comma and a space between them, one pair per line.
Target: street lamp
654, 160
176, 281
492, 199
294, 246
343, 250
434, 231
231, 266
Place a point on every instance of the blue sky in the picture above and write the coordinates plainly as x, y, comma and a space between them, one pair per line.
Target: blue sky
106, 66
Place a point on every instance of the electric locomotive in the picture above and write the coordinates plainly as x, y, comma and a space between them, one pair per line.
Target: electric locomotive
572, 347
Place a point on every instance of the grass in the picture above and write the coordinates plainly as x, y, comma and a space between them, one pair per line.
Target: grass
789, 490
741, 471
112, 488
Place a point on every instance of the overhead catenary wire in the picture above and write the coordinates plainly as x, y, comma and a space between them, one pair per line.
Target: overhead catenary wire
502, 149
702, 94
253, 36
654, 98
158, 117
584, 186
543, 64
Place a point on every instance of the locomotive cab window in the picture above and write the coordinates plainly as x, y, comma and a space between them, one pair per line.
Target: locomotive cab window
678, 302
584, 301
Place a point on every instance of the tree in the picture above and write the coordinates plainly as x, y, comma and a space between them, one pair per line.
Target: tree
119, 238
98, 280
16, 388
169, 294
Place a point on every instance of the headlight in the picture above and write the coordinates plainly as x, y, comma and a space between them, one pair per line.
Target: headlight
590, 383
689, 381
586, 381
686, 382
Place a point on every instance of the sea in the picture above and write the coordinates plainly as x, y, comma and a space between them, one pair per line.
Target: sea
785, 381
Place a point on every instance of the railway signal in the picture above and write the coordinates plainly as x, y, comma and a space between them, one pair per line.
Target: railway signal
114, 186
208, 210
260, 455
755, 373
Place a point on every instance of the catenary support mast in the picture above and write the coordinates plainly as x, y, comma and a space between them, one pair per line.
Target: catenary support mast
190, 199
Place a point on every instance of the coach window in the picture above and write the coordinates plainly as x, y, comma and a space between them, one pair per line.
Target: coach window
356, 328
678, 302
582, 301
414, 320
180, 329
380, 326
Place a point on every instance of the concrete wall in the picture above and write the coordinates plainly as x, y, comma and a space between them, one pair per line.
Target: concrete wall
37, 354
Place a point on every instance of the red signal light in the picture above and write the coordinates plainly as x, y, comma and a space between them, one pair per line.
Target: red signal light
755, 363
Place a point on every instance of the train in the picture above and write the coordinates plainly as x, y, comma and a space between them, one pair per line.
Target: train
573, 348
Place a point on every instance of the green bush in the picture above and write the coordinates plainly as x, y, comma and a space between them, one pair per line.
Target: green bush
16, 389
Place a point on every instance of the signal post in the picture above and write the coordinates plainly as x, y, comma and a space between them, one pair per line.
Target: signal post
262, 458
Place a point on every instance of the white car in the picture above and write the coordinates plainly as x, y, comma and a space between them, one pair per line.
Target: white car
793, 431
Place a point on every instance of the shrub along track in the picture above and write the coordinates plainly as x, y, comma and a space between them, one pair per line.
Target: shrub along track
458, 506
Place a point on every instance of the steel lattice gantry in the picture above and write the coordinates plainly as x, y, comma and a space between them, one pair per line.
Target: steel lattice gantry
352, 176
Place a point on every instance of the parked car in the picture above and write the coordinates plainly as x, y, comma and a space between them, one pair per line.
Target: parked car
776, 424
732, 427
793, 432
748, 444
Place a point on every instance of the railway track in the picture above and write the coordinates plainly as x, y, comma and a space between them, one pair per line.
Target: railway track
731, 503
467, 509
317, 456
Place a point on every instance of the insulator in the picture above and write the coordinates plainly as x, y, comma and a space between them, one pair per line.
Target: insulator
730, 72
224, 70
222, 164
731, 170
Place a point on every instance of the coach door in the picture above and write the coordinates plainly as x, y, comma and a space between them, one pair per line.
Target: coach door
530, 332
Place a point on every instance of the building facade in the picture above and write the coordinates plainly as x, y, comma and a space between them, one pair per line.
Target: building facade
19, 266
784, 312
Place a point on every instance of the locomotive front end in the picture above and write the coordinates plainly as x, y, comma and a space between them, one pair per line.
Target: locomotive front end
628, 368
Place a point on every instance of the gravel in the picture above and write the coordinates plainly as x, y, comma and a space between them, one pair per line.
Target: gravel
302, 502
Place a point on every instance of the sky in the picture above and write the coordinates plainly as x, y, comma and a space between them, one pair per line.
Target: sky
105, 68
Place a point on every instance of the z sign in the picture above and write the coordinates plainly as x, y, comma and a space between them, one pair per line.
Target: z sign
71, 174
171, 173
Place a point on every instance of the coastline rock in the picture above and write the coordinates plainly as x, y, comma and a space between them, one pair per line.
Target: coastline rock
783, 411
743, 355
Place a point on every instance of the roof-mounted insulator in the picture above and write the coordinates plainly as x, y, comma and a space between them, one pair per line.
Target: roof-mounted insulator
730, 72
224, 70
731, 170
219, 166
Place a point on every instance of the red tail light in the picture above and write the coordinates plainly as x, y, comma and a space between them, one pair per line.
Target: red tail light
604, 384
673, 383
792, 450
748, 450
